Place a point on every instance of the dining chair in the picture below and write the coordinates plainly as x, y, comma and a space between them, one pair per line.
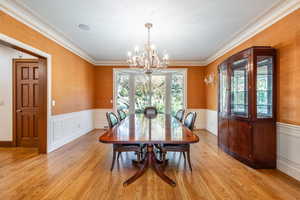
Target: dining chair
113, 120
189, 122
122, 115
180, 114
150, 112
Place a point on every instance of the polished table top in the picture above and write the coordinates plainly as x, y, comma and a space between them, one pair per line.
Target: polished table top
136, 128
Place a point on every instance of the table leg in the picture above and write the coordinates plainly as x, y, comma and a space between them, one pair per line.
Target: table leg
150, 160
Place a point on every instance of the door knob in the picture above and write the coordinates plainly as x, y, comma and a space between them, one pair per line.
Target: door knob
19, 110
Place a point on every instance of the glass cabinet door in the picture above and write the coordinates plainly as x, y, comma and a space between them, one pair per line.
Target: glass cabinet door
239, 88
224, 88
264, 87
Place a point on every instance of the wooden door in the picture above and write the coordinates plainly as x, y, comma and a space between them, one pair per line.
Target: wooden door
27, 102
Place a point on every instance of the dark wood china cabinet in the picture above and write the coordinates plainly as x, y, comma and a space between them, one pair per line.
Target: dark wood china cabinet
247, 107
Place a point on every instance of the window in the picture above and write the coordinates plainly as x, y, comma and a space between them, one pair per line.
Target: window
132, 90
122, 97
177, 92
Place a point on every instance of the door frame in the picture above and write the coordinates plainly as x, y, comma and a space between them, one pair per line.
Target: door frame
15, 44
42, 126
133, 71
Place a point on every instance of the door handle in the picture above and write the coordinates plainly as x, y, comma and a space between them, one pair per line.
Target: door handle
19, 110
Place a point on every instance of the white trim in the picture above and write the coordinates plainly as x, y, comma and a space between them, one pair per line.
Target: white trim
212, 121
171, 63
31, 19
282, 9
200, 122
110, 63
34, 21
100, 120
22, 45
288, 148
68, 127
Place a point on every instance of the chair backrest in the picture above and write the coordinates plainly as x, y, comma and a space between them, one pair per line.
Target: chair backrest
189, 120
150, 112
180, 114
122, 115
112, 119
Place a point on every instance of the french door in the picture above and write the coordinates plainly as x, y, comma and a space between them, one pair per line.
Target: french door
134, 91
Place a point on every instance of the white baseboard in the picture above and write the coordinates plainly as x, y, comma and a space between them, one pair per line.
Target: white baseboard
288, 148
66, 127
100, 120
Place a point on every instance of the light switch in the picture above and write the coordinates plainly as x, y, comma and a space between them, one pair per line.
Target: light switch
53, 103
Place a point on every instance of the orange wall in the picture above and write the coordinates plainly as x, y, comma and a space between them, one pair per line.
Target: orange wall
285, 37
104, 87
72, 77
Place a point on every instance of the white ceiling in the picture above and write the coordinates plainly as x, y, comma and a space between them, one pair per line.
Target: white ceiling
187, 29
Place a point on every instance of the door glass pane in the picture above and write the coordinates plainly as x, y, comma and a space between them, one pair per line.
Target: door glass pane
141, 97
239, 88
158, 98
223, 89
122, 97
177, 92
264, 90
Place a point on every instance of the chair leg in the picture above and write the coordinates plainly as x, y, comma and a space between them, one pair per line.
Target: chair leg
184, 156
189, 159
139, 157
119, 153
113, 161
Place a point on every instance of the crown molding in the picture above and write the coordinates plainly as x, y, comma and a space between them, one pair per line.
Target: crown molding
187, 63
31, 19
34, 21
171, 63
110, 63
277, 12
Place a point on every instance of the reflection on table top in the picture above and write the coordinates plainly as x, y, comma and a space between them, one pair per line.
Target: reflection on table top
137, 128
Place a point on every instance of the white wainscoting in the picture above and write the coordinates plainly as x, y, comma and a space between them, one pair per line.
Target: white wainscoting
288, 149
66, 127
212, 121
288, 144
100, 120
200, 122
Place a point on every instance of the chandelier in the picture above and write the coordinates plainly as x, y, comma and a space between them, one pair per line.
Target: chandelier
148, 60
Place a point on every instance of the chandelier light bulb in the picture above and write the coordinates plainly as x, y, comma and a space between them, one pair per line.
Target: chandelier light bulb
136, 49
166, 57
147, 59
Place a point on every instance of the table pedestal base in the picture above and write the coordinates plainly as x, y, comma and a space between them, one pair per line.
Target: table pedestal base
150, 160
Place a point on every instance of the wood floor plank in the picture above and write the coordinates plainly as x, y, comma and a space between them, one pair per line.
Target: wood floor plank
81, 170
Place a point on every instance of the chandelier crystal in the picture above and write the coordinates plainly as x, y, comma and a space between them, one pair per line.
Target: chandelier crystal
148, 60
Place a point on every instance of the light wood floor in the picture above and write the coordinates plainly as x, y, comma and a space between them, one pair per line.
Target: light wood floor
80, 170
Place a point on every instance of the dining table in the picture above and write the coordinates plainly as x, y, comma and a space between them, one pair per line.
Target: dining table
149, 132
